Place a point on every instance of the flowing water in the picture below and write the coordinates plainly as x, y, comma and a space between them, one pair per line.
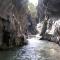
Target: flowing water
35, 50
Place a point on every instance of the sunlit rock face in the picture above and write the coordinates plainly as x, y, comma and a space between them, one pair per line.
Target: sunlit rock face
55, 27
39, 27
52, 10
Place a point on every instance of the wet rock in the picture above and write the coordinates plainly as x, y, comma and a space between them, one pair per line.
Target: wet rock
21, 40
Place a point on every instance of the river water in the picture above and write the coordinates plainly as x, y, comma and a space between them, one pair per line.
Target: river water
35, 50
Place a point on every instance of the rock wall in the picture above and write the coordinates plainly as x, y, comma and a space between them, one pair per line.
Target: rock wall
24, 17
13, 23
50, 17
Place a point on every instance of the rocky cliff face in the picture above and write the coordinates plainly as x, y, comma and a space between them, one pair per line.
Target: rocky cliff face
51, 6
13, 23
50, 17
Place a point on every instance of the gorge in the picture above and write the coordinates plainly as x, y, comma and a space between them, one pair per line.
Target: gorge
29, 30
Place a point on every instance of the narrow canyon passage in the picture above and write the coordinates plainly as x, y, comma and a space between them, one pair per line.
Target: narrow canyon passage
22, 22
35, 50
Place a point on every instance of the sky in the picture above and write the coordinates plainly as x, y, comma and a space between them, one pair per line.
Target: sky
35, 2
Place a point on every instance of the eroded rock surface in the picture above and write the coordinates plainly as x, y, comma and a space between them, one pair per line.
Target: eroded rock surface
13, 23
50, 29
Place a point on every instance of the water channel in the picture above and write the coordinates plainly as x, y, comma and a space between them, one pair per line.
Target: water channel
35, 50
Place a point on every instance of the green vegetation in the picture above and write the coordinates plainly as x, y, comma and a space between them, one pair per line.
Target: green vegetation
32, 9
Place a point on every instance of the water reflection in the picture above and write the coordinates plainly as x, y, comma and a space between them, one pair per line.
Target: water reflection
35, 50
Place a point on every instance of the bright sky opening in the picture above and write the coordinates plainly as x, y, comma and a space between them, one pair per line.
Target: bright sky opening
34, 2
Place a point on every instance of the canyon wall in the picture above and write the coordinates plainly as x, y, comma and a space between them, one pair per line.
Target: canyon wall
49, 16
15, 23
12, 28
